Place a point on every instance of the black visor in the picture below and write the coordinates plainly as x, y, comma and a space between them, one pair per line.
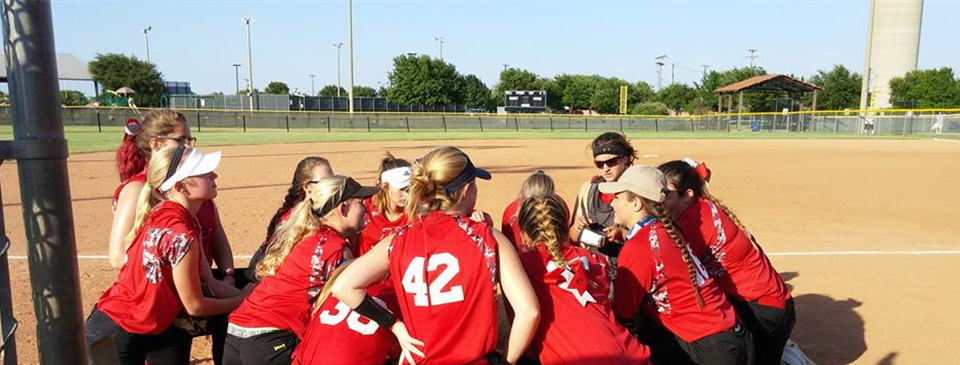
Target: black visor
469, 173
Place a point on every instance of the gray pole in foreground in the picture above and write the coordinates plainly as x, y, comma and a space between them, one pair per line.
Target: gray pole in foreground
247, 21
313, 91
339, 85
146, 40
41, 152
350, 40
867, 60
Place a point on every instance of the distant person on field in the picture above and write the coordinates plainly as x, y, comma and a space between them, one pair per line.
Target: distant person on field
938, 125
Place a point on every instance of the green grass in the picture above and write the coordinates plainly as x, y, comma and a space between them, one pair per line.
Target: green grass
82, 139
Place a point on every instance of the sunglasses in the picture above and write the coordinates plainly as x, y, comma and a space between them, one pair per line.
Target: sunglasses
188, 141
609, 163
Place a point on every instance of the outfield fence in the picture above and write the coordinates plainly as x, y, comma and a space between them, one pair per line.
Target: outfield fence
886, 122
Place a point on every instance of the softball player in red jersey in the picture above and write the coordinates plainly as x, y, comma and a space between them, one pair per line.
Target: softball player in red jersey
577, 325
266, 328
385, 212
162, 277
660, 274
308, 173
538, 184
337, 335
444, 267
730, 255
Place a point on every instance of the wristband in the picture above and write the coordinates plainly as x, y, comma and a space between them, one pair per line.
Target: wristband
229, 272
370, 309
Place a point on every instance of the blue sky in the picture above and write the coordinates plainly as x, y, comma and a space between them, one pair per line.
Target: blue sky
197, 41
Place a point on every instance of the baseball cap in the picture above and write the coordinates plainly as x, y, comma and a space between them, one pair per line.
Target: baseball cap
469, 173
643, 180
398, 178
350, 189
197, 163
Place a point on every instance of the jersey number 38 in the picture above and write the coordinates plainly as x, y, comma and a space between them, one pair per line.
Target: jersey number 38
434, 295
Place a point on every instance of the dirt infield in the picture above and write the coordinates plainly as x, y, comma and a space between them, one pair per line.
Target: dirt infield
835, 216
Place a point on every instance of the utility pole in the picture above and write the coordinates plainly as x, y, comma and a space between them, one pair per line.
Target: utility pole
753, 57
505, 66
673, 72
313, 91
247, 21
441, 40
705, 70
338, 45
146, 40
350, 40
236, 71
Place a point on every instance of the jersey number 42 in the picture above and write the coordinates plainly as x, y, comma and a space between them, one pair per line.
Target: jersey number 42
434, 294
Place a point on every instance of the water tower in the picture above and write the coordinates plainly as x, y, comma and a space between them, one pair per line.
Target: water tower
893, 43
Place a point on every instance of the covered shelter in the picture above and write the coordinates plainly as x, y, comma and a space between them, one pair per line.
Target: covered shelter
69, 67
761, 83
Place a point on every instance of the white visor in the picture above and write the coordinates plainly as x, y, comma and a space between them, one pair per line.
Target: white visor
398, 178
198, 163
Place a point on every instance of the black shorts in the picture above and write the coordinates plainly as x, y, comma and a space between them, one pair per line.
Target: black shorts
769, 326
731, 347
171, 347
274, 348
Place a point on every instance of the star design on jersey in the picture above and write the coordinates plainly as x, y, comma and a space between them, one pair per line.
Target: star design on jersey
574, 278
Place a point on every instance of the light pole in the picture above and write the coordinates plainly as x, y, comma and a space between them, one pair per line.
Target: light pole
338, 45
146, 40
350, 41
441, 40
705, 70
505, 66
313, 91
236, 70
753, 57
247, 21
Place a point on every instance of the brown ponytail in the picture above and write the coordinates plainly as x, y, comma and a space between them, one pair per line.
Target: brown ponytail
684, 177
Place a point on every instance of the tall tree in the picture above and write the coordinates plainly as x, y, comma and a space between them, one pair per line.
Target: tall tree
677, 96
477, 94
578, 90
277, 88
606, 94
331, 90
933, 88
424, 80
113, 71
516, 79
363, 91
72, 98
841, 88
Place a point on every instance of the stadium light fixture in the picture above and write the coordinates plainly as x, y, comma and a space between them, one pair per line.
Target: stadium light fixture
338, 45
146, 40
247, 21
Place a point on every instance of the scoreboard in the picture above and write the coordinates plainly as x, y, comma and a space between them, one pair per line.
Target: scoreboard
519, 101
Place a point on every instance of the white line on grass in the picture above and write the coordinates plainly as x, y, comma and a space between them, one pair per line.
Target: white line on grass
795, 253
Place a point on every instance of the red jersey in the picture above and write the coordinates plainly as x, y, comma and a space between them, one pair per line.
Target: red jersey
207, 215
577, 325
738, 266
144, 299
378, 227
652, 272
444, 269
338, 335
284, 299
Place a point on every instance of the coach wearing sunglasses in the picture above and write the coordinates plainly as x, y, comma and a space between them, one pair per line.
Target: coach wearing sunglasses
592, 216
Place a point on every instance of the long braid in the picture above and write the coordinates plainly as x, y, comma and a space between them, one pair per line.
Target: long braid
660, 212
295, 195
718, 203
544, 220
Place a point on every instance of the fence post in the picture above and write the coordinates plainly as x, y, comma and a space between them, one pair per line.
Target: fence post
198, 121
693, 126
585, 124
99, 129
481, 122
621, 125
516, 124
656, 124
444, 122
288, 122
368, 124
407, 119
328, 123
551, 124
244, 122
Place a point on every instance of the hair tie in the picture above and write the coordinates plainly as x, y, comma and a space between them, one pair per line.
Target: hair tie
131, 127
703, 171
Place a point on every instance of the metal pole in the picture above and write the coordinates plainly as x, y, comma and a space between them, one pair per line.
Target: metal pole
8, 324
328, 123
480, 118
249, 61
236, 71
407, 119
288, 122
867, 66
146, 40
339, 86
99, 127
350, 40
444, 122
41, 152
313, 90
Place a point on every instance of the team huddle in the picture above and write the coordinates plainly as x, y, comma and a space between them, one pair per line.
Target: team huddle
645, 267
